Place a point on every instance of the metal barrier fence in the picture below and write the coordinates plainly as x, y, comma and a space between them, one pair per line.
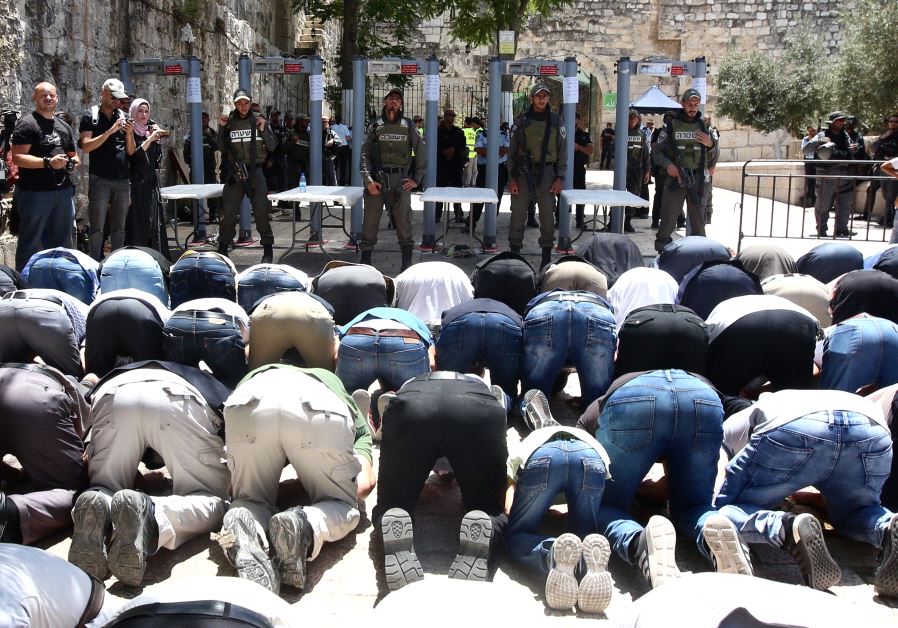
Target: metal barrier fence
782, 207
466, 100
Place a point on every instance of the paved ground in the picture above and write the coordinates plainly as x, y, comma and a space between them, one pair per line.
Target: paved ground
346, 581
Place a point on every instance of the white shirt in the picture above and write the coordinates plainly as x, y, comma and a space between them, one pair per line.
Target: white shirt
731, 310
148, 299
429, 288
40, 590
639, 287
342, 132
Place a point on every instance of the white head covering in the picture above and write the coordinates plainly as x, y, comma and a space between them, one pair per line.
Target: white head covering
638, 287
140, 129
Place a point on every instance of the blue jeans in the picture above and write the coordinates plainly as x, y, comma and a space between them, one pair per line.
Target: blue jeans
200, 276
487, 337
130, 268
560, 466
845, 455
263, 281
858, 352
393, 360
46, 221
579, 332
660, 414
58, 271
211, 337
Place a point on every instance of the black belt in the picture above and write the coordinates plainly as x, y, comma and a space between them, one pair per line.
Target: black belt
24, 296
396, 170
238, 615
206, 315
395, 333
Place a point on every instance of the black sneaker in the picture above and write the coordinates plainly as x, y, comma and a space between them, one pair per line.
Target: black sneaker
291, 536
596, 586
239, 539
885, 583
729, 553
656, 552
135, 536
561, 584
93, 521
400, 561
804, 541
537, 412
845, 233
473, 547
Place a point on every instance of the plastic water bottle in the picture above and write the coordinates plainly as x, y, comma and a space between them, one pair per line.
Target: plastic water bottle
302, 181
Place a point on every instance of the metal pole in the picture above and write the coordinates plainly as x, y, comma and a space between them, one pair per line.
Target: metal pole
124, 73
701, 72
195, 107
359, 70
428, 238
624, 68
569, 109
316, 147
492, 150
244, 78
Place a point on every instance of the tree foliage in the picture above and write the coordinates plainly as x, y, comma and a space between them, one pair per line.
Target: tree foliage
478, 21
865, 78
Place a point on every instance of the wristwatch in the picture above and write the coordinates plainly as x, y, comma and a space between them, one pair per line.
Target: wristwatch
46, 162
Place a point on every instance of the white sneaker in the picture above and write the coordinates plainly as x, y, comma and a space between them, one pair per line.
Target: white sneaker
729, 552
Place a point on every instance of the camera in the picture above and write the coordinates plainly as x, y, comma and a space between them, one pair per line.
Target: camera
69, 164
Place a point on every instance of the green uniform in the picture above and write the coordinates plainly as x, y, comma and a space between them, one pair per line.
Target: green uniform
387, 157
524, 157
677, 145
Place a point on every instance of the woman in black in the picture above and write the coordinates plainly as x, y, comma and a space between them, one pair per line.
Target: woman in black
145, 225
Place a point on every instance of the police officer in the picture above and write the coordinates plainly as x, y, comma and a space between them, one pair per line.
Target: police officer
245, 140
582, 154
682, 152
638, 163
834, 144
387, 155
537, 161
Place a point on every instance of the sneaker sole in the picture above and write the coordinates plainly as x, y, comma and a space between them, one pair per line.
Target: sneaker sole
88, 549
284, 535
723, 540
661, 542
537, 410
473, 547
561, 585
596, 586
885, 583
401, 564
128, 551
248, 557
822, 570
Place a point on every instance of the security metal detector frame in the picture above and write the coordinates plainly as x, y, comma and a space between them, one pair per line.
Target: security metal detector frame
312, 66
362, 67
189, 67
697, 69
571, 91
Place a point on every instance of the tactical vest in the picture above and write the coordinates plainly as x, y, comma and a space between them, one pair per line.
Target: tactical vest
533, 140
634, 144
240, 132
470, 141
690, 151
395, 143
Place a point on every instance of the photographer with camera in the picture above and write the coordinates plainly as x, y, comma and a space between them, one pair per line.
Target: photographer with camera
145, 225
683, 152
43, 147
245, 140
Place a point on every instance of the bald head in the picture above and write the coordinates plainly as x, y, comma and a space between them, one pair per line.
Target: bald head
45, 99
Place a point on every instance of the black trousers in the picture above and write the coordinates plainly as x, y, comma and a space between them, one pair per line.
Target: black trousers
776, 344
448, 175
662, 337
126, 328
455, 418
580, 184
477, 208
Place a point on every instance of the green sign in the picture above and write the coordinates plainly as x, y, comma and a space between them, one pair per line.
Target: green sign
609, 100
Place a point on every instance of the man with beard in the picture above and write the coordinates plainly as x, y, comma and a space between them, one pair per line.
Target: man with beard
390, 142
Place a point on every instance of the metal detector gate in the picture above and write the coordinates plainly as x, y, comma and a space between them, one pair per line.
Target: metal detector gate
529, 67
697, 69
312, 66
189, 67
361, 67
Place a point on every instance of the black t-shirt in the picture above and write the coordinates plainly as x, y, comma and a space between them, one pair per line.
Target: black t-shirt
109, 161
47, 138
582, 138
607, 136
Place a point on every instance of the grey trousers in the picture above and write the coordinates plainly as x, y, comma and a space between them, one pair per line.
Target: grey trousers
37, 327
671, 206
833, 193
520, 203
110, 197
399, 201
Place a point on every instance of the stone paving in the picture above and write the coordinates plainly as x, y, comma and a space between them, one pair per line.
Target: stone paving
346, 581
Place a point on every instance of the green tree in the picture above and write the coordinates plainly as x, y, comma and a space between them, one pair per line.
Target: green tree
772, 93
864, 77
478, 22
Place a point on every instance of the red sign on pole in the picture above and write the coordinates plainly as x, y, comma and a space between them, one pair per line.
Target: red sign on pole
548, 70
173, 68
292, 68
410, 68
677, 70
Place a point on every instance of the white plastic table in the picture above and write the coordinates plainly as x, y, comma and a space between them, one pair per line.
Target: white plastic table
192, 191
459, 195
343, 196
604, 198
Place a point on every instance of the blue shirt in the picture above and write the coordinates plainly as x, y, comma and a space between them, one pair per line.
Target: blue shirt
392, 314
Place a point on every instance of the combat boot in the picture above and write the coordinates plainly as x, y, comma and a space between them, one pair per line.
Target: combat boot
267, 254
406, 260
223, 248
547, 256
366, 257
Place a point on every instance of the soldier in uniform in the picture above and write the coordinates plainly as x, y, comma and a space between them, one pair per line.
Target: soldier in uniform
638, 164
537, 161
682, 152
245, 140
834, 193
387, 155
